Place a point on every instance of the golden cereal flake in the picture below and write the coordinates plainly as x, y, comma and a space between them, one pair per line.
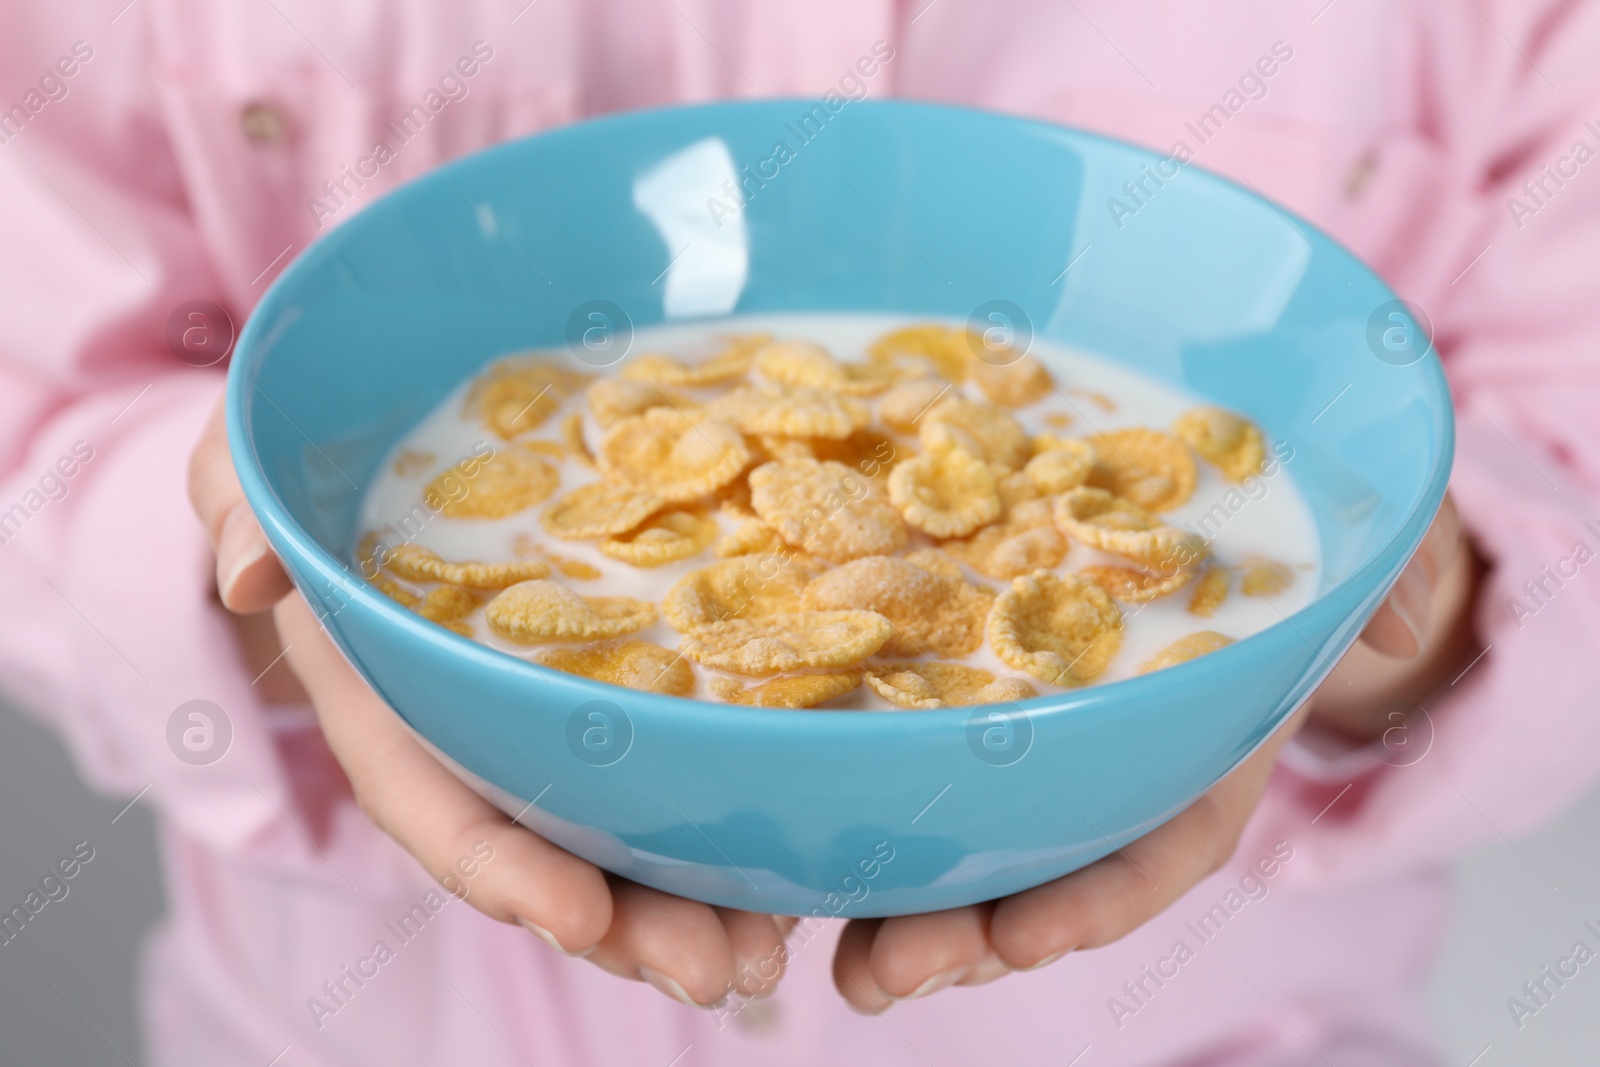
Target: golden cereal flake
1024, 541
1061, 629
666, 538
748, 587
1231, 443
1262, 577
1100, 520
518, 394
802, 363
1152, 469
1185, 649
674, 456
599, 509
1014, 487
904, 405
945, 494
510, 480
868, 451
1064, 466
827, 509
924, 685
572, 438
1012, 380
410, 462
1058, 420
945, 351
932, 613
985, 430
1210, 591
395, 591
634, 664
789, 642
731, 363
1132, 585
613, 399
542, 610
445, 604
751, 535
796, 690
418, 564
792, 412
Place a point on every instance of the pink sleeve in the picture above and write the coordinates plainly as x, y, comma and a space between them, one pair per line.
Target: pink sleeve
1512, 740
114, 621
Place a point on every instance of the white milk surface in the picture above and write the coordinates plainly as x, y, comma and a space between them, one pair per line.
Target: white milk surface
1095, 394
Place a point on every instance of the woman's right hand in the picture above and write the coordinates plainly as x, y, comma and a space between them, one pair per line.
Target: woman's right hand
693, 952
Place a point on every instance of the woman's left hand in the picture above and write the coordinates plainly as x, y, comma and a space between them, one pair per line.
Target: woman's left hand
880, 961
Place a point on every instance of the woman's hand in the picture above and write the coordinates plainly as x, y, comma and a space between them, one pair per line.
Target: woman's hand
693, 952
1415, 637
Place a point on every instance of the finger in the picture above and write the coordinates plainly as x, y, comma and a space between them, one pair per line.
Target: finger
759, 956
917, 955
1114, 895
1400, 626
432, 814
679, 946
249, 576
852, 968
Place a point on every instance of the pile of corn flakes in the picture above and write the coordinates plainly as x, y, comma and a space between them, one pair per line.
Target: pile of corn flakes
867, 524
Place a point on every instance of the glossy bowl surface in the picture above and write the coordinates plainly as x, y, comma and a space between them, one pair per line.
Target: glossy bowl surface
884, 207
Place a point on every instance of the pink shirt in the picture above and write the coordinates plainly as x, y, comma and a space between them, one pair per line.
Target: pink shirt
172, 150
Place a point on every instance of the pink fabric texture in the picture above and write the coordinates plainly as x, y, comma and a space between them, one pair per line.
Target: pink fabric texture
172, 150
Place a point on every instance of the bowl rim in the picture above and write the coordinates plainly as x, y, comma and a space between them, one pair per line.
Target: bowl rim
1105, 698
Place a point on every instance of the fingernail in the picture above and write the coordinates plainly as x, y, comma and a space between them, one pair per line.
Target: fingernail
1411, 603
550, 939
663, 984
240, 545
869, 1011
1047, 961
939, 981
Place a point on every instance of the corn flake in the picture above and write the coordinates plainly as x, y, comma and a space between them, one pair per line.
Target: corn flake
1185, 649
1262, 577
788, 642
1061, 629
801, 363
982, 429
732, 362
792, 412
518, 394
946, 352
1210, 591
418, 564
634, 664
674, 456
410, 462
945, 494
827, 509
1152, 469
666, 538
599, 509
613, 399
541, 610
1134, 586
572, 438
1231, 443
1025, 541
796, 690
923, 685
904, 405
932, 613
1100, 520
750, 536
508, 481
1065, 465
1014, 384
747, 587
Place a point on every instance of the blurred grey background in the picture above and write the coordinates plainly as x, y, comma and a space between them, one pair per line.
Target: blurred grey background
68, 983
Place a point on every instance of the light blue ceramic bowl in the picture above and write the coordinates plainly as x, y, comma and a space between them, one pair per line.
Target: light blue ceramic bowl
888, 207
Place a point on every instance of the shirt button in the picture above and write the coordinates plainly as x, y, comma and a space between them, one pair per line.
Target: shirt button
264, 123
